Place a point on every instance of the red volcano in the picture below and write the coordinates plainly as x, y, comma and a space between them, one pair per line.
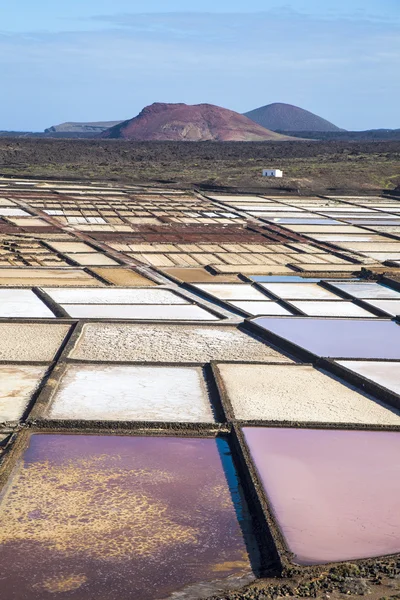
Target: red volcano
198, 123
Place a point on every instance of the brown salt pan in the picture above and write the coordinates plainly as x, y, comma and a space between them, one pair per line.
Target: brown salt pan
122, 277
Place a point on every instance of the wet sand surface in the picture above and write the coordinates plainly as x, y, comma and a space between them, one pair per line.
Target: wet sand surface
86, 517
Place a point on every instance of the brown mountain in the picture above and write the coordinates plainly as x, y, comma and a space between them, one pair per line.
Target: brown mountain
182, 122
286, 117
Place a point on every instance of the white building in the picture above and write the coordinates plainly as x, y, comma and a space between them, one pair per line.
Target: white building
272, 173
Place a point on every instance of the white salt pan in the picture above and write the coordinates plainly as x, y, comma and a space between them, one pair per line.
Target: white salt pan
114, 296
132, 393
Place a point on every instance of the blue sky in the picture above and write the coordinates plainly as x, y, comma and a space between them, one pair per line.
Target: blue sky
106, 59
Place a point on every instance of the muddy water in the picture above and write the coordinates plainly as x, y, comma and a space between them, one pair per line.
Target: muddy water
118, 517
335, 494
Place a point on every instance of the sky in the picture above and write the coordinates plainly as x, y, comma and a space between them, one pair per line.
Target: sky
95, 60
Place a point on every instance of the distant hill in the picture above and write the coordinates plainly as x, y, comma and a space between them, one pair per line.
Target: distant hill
182, 122
285, 117
96, 127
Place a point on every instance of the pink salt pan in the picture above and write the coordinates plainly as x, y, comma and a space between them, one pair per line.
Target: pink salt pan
335, 494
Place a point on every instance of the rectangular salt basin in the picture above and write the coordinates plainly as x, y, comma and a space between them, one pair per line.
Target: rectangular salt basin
391, 307
273, 215
348, 209
377, 247
13, 212
261, 308
231, 291
371, 222
316, 220
22, 303
267, 208
331, 237
326, 308
331, 497
270, 208
92, 259
284, 279
197, 275
72, 247
349, 270
303, 221
367, 290
169, 513
114, 296
383, 256
325, 229
17, 384
162, 343
299, 393
300, 291
44, 276
252, 269
132, 393
123, 276
385, 373
338, 338
30, 342
150, 312
29, 222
